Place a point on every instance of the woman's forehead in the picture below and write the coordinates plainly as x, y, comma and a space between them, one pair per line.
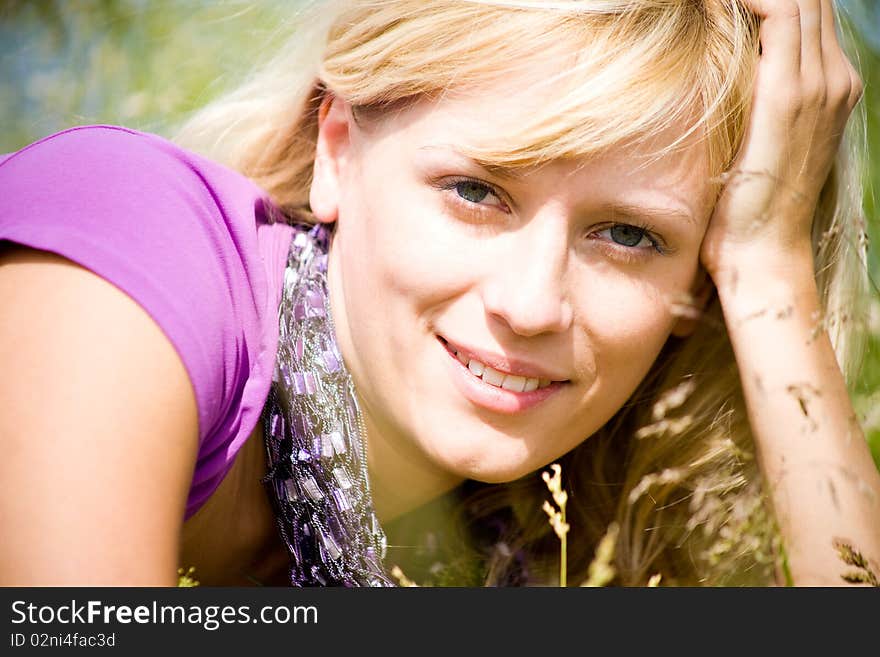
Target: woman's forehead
484, 128
523, 123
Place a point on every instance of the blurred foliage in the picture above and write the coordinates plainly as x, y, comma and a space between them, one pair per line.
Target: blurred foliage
148, 64
145, 64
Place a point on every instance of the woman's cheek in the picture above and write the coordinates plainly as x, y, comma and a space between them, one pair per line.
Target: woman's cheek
628, 319
427, 259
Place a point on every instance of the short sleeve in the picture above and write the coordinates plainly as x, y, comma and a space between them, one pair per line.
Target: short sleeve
187, 239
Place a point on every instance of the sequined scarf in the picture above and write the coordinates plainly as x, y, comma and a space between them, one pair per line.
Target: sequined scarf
312, 424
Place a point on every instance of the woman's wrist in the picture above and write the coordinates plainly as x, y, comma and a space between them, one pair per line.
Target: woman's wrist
766, 282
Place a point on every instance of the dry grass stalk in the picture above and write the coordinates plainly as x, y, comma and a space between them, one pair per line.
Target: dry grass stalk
863, 574
668, 401
185, 577
402, 579
665, 427
667, 476
601, 570
557, 517
672, 399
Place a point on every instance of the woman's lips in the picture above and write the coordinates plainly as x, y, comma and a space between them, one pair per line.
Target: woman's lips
502, 364
495, 390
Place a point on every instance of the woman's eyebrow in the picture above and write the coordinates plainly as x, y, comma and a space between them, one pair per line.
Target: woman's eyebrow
636, 210
499, 171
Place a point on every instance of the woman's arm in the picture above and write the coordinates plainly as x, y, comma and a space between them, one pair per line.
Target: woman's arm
821, 478
820, 475
98, 431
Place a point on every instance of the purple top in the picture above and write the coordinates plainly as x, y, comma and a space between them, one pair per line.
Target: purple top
187, 239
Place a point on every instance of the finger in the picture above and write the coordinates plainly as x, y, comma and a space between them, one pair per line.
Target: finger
780, 37
857, 87
830, 43
844, 83
811, 40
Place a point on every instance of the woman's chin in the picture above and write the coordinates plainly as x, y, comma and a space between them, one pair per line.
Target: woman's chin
493, 470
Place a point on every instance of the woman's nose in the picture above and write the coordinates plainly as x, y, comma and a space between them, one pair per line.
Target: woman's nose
525, 285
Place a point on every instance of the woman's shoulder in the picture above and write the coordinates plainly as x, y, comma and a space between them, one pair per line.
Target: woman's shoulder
99, 158
166, 225
91, 144
191, 241
93, 134
88, 423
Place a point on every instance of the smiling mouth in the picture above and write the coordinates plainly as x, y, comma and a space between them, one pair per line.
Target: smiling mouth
494, 377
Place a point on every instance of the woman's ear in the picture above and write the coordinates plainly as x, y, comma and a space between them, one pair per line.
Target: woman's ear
331, 153
689, 311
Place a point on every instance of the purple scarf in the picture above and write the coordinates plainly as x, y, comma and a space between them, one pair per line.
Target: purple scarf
317, 475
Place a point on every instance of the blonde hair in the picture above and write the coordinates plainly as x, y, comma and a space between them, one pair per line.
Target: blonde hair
675, 467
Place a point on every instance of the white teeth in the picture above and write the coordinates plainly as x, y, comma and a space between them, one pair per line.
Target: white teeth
492, 377
515, 383
495, 378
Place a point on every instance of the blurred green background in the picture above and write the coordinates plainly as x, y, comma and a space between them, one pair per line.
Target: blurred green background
147, 65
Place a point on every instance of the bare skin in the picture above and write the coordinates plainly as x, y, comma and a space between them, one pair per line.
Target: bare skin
79, 505
821, 478
822, 481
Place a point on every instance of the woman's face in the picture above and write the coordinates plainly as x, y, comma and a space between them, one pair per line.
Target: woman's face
493, 320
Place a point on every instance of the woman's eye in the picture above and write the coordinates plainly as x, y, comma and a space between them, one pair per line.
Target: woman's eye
472, 191
629, 236
472, 200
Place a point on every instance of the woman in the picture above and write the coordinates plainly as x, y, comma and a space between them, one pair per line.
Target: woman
609, 234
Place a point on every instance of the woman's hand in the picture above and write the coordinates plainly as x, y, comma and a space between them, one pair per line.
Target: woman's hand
805, 90
820, 478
